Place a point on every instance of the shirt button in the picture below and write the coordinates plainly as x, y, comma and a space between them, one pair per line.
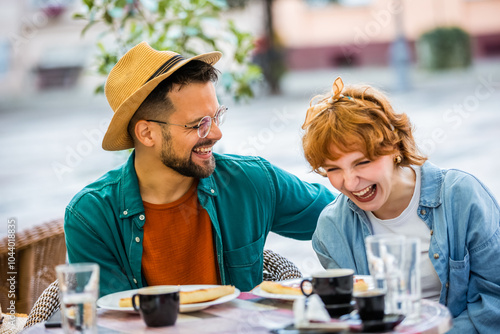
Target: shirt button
423, 212
125, 212
135, 281
212, 191
432, 232
436, 256
141, 217
137, 239
447, 284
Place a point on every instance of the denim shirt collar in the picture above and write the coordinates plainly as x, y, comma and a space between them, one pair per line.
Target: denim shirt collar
430, 189
130, 196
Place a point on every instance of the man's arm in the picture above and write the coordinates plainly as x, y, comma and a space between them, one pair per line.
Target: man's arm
298, 204
85, 244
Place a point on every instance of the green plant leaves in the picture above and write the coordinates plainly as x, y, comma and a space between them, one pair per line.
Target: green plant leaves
187, 27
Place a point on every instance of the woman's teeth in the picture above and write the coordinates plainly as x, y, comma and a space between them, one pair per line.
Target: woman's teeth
365, 191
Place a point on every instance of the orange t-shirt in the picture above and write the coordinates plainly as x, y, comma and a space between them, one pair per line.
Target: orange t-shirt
178, 245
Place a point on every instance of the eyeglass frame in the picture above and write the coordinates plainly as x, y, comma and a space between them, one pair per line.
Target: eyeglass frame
215, 119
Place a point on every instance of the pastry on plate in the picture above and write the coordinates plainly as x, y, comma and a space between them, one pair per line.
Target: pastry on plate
360, 285
280, 289
194, 296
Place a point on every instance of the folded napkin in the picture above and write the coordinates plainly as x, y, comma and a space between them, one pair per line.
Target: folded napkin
310, 313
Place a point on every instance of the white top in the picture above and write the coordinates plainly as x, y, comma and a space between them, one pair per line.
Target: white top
409, 224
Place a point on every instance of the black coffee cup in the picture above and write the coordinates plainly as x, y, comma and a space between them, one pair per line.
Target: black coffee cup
333, 286
158, 305
370, 304
337, 310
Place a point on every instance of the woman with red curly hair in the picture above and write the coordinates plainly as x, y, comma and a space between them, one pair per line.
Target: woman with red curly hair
367, 150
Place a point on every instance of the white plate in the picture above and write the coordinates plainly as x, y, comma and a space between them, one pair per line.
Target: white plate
291, 282
111, 302
296, 282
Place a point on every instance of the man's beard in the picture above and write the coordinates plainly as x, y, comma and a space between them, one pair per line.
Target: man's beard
186, 166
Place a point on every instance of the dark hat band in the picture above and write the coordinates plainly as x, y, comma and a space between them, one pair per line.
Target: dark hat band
165, 67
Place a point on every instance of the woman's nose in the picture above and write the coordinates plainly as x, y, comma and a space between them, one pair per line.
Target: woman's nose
351, 181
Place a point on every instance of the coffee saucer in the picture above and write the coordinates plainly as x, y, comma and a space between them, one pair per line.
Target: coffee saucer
376, 326
338, 310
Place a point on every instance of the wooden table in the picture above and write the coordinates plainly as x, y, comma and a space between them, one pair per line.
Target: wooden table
246, 314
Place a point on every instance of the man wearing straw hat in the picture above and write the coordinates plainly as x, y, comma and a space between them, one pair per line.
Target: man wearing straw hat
175, 212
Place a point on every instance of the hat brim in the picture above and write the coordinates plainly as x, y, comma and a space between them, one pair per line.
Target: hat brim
117, 137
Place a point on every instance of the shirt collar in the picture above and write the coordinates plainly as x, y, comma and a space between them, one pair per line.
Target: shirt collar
432, 181
208, 186
130, 195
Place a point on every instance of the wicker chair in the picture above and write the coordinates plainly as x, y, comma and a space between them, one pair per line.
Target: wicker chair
45, 306
37, 251
278, 268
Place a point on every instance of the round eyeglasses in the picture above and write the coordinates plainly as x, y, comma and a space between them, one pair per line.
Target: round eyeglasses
205, 123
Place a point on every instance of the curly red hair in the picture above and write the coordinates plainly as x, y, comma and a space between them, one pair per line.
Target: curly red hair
363, 120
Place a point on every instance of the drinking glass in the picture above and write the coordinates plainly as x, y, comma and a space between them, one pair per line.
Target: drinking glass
394, 263
79, 290
411, 292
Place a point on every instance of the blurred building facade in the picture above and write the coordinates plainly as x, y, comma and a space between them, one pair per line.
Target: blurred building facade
326, 33
41, 44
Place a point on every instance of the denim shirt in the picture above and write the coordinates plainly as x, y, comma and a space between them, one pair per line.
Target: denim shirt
463, 218
245, 197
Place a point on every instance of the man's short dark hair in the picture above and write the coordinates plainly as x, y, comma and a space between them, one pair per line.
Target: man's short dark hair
158, 104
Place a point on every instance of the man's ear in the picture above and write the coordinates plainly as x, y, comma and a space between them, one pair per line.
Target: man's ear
146, 134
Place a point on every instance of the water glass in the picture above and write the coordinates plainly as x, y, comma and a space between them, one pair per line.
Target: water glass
411, 291
79, 290
394, 263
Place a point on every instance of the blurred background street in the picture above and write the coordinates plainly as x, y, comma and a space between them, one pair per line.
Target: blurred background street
51, 135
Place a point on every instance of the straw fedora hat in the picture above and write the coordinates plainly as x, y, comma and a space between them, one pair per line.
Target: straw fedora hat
131, 80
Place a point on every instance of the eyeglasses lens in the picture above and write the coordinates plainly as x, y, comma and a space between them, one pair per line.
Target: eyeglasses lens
204, 126
206, 122
220, 116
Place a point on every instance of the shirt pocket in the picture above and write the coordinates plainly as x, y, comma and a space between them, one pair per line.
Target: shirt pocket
244, 264
458, 285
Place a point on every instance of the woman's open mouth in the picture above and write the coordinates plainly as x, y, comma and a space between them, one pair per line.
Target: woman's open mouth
366, 194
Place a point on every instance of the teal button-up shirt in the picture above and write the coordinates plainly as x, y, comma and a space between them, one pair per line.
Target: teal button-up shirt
245, 197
